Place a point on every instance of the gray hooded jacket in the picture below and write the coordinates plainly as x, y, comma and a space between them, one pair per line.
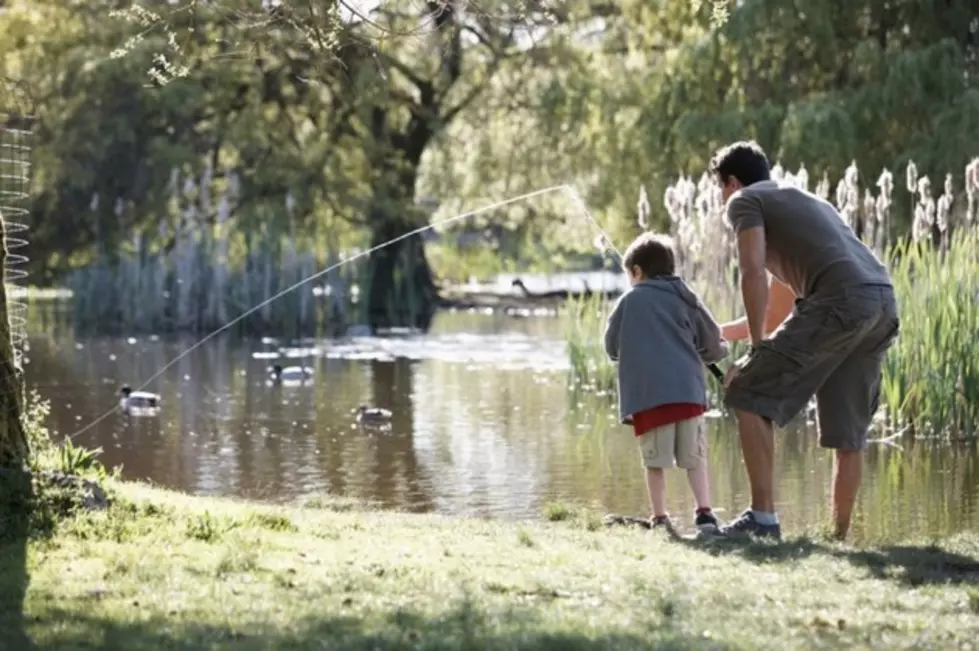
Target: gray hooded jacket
661, 334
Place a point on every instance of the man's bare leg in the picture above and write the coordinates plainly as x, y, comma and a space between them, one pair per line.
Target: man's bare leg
847, 474
758, 449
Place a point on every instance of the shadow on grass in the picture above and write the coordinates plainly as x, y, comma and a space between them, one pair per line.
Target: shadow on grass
913, 565
464, 627
16, 499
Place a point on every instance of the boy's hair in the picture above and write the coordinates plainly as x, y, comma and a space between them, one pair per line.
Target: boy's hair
653, 254
744, 160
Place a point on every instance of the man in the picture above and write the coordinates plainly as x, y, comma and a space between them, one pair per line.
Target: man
844, 318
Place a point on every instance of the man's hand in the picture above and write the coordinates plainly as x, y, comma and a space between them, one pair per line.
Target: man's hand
781, 300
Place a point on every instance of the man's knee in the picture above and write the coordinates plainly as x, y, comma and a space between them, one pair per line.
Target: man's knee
750, 418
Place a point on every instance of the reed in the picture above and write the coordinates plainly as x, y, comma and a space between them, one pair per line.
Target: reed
930, 381
199, 270
584, 321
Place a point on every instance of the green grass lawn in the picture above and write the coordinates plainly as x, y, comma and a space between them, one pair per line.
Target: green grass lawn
166, 571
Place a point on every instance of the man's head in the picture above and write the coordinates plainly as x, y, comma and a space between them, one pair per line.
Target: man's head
649, 255
739, 165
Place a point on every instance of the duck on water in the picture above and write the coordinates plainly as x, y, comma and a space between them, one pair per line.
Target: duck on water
373, 415
133, 402
291, 373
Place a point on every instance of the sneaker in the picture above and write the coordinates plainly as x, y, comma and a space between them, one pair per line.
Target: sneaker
706, 521
746, 525
660, 521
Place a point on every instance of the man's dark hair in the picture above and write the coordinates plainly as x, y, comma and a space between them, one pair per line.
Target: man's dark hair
744, 160
653, 254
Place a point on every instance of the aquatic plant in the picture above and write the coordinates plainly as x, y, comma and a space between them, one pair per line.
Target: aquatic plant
591, 369
930, 381
192, 275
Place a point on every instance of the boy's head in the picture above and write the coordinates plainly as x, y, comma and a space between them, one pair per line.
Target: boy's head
649, 255
739, 165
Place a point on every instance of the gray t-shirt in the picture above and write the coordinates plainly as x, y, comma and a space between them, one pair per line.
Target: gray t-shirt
808, 245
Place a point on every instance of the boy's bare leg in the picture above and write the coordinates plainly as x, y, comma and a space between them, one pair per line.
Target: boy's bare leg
656, 487
700, 485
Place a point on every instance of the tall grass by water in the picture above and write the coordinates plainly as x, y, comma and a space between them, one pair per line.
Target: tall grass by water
197, 272
931, 376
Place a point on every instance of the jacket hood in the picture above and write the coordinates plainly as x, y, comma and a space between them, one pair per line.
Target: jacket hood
672, 284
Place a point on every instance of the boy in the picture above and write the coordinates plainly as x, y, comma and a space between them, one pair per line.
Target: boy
660, 332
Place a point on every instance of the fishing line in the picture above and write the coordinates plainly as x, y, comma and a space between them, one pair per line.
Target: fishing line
243, 315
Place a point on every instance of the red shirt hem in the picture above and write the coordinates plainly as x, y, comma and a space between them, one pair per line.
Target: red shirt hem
648, 419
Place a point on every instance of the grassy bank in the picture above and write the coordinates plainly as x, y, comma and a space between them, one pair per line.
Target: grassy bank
163, 570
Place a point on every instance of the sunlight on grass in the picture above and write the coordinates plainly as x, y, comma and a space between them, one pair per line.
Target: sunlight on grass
162, 570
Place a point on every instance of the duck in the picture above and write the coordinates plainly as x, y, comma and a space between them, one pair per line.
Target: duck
291, 373
138, 400
367, 414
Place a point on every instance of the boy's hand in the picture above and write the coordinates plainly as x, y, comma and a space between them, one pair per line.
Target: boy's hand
735, 369
732, 372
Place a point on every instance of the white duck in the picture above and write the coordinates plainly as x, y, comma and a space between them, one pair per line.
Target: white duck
367, 414
291, 373
138, 401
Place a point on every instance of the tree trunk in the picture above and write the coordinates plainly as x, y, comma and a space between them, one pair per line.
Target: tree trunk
410, 302
14, 449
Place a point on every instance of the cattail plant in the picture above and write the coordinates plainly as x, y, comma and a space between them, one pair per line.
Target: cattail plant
642, 208
971, 190
822, 188
882, 209
943, 211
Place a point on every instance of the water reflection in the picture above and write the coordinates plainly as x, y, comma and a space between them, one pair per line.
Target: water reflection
482, 424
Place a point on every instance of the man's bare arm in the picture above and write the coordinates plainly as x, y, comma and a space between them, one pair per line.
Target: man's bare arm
754, 280
781, 299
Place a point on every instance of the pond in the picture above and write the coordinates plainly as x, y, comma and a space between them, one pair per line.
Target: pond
483, 424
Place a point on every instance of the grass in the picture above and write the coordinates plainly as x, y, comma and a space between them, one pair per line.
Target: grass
931, 376
165, 570
584, 322
160, 569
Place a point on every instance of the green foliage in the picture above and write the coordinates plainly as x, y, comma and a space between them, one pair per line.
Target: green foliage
591, 369
34, 414
78, 460
46, 455
829, 81
54, 489
931, 376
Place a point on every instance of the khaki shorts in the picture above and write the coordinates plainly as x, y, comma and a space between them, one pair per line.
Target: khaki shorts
832, 346
683, 444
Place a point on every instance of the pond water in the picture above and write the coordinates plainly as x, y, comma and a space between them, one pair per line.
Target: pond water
483, 424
